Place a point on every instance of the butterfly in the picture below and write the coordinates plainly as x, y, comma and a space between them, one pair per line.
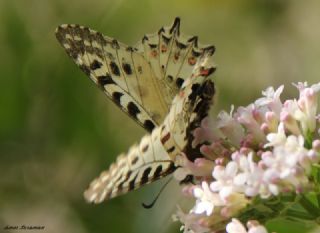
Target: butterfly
162, 83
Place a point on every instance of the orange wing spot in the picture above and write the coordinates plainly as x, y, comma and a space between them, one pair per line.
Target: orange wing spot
164, 48
192, 61
154, 53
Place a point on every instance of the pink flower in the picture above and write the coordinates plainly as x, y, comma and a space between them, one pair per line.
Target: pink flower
307, 104
230, 128
287, 117
200, 167
261, 150
271, 99
207, 132
191, 222
244, 115
276, 139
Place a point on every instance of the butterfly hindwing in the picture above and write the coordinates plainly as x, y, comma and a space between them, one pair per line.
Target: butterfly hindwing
189, 107
172, 56
146, 162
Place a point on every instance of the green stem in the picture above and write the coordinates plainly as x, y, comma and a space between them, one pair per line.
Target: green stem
308, 141
318, 182
318, 199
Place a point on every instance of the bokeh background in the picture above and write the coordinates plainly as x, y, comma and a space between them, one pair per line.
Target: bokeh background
58, 131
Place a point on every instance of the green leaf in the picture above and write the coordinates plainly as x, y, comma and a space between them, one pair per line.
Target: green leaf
309, 206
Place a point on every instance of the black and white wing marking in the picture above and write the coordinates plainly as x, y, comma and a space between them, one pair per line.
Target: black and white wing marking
142, 81
124, 75
172, 56
153, 158
162, 84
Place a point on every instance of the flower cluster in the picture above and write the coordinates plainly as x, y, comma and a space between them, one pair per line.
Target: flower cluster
261, 151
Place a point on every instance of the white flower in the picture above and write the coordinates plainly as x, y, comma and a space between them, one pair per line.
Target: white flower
206, 200
262, 150
249, 178
229, 184
271, 99
284, 164
302, 85
253, 227
308, 106
288, 117
278, 138
235, 227
223, 176
271, 121
191, 222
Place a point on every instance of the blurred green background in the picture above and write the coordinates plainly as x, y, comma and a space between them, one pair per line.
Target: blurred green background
58, 131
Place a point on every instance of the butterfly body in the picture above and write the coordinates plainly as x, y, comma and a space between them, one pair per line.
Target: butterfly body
161, 83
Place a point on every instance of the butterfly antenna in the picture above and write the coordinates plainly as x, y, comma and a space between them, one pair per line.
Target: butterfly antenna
149, 206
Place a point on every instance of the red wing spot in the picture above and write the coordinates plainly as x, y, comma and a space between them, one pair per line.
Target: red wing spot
165, 138
192, 61
164, 48
154, 53
205, 72
181, 94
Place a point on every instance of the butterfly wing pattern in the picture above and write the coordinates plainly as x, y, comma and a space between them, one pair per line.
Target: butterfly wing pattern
162, 83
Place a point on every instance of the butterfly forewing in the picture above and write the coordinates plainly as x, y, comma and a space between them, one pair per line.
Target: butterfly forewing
98, 56
162, 84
